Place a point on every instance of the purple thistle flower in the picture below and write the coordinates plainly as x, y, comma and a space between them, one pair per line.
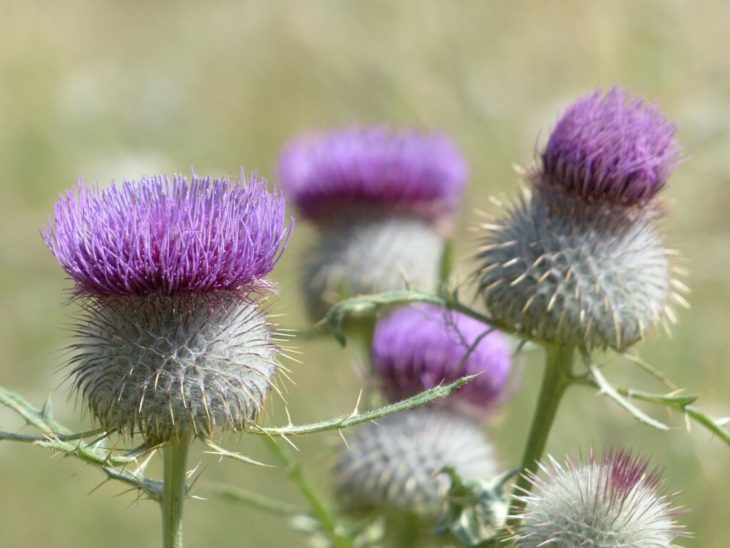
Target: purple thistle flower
616, 500
171, 339
419, 347
614, 148
168, 236
372, 167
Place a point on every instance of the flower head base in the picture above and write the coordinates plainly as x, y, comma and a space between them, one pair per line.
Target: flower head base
168, 236
162, 366
372, 168
560, 270
171, 339
361, 256
419, 347
397, 464
607, 502
614, 149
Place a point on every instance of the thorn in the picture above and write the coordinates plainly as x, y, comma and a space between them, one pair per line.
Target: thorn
341, 432
356, 410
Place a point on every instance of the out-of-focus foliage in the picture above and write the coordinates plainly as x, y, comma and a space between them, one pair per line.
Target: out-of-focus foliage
116, 89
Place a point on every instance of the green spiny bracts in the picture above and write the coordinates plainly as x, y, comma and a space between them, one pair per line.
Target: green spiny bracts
561, 270
169, 365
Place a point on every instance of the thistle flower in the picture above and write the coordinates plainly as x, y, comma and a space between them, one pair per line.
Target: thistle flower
327, 174
168, 273
419, 347
379, 199
397, 464
612, 501
613, 149
577, 260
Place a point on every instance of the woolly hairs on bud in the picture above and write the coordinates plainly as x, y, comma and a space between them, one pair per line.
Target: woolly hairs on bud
164, 365
607, 502
363, 255
561, 270
396, 463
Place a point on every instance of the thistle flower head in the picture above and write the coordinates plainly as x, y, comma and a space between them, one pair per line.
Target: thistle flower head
613, 148
372, 168
612, 501
171, 339
168, 235
397, 464
420, 347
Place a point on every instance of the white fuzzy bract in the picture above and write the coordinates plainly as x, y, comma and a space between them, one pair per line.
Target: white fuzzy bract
612, 502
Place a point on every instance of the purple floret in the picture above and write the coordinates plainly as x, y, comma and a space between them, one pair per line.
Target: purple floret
614, 148
420, 347
168, 235
372, 168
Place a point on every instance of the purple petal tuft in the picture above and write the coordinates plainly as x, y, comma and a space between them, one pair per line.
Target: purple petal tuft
614, 148
373, 167
168, 236
420, 347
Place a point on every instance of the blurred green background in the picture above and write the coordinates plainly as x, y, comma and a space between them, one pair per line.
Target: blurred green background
110, 90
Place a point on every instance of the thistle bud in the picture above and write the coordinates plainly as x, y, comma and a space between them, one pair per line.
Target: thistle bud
379, 200
169, 274
419, 347
612, 501
398, 463
578, 260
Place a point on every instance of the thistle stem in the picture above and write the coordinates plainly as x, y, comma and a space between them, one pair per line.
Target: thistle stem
175, 455
556, 378
318, 506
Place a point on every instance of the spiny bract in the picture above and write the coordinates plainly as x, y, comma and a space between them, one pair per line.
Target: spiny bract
162, 365
364, 255
397, 463
560, 270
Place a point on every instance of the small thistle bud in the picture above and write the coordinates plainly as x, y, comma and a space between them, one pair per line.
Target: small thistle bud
397, 464
419, 347
379, 199
614, 501
167, 272
615, 149
577, 260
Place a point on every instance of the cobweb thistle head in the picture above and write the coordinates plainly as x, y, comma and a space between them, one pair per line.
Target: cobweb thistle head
397, 464
613, 148
615, 500
577, 260
419, 347
381, 200
169, 272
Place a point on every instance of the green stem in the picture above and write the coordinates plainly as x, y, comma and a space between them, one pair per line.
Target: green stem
175, 474
406, 530
318, 506
556, 378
